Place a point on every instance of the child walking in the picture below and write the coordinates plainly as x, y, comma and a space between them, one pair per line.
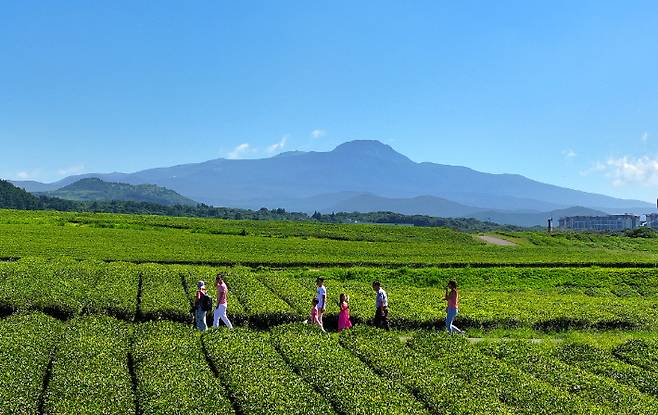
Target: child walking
344, 316
452, 297
322, 298
314, 314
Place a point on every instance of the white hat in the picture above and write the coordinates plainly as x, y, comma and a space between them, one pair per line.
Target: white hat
200, 284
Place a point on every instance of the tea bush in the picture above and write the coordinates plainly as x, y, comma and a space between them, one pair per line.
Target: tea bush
115, 292
534, 359
441, 390
26, 345
173, 376
163, 296
90, 373
517, 389
345, 381
602, 363
639, 352
257, 376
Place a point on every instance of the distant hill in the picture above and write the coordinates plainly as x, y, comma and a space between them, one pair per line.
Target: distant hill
420, 205
355, 168
533, 218
442, 208
12, 197
93, 189
36, 187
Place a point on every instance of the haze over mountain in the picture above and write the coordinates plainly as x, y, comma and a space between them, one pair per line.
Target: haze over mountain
438, 207
320, 181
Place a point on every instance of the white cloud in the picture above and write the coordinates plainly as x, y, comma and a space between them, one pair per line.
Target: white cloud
23, 175
644, 137
239, 151
318, 133
598, 167
627, 170
67, 171
29, 175
278, 146
569, 153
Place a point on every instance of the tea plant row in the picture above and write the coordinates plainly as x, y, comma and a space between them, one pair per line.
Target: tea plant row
263, 297
98, 364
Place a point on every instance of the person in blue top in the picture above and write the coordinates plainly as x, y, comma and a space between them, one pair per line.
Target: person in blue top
322, 298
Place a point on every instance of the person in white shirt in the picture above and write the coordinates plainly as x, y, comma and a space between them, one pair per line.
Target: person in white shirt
381, 304
322, 298
222, 302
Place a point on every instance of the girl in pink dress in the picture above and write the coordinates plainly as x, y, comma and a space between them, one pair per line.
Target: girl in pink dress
344, 316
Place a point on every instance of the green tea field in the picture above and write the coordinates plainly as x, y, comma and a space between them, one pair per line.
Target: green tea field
95, 319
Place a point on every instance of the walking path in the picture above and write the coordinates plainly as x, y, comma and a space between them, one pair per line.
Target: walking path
508, 339
496, 241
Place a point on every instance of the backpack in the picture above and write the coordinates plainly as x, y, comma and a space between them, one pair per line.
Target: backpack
206, 303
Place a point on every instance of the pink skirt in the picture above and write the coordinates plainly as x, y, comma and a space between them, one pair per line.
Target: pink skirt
344, 320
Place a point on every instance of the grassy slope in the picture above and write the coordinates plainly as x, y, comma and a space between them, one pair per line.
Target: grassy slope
166, 239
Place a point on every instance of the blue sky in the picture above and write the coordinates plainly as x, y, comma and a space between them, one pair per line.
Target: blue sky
561, 92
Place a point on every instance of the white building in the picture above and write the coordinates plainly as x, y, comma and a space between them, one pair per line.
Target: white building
652, 220
600, 223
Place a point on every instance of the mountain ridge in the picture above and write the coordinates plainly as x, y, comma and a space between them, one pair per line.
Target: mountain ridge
361, 166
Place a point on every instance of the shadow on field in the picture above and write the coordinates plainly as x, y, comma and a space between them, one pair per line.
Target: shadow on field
268, 321
6, 310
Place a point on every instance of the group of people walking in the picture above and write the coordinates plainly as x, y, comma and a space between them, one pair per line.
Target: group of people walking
203, 303
319, 307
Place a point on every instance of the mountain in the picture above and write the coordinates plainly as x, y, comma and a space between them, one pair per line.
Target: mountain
501, 202
34, 186
442, 208
94, 189
533, 218
356, 168
12, 197
420, 205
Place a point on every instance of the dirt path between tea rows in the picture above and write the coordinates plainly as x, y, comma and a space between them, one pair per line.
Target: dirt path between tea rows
496, 241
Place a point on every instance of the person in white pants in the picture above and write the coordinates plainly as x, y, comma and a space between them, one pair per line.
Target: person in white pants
222, 299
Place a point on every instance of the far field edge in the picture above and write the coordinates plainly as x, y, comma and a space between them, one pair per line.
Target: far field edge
287, 265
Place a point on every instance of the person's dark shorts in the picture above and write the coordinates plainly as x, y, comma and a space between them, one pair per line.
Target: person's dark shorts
381, 318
